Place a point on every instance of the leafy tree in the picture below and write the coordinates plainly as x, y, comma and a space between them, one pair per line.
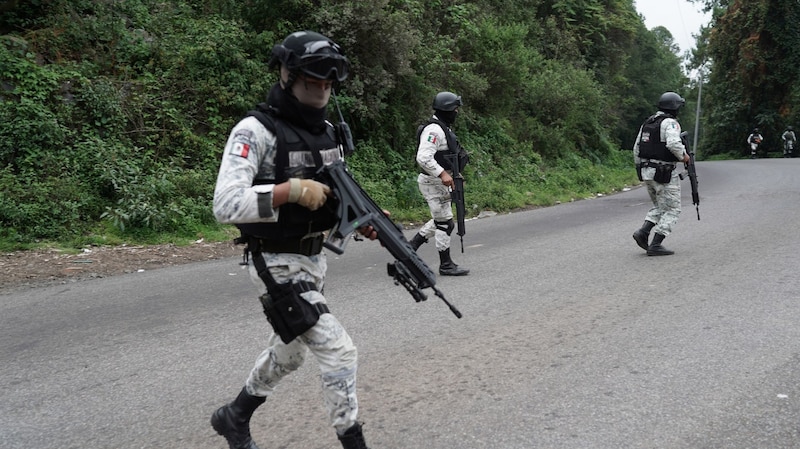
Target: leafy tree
132, 101
754, 54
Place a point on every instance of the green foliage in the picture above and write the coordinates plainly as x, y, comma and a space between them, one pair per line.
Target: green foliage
113, 115
43, 208
754, 50
160, 198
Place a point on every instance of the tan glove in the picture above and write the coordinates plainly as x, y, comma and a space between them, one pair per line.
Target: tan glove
308, 193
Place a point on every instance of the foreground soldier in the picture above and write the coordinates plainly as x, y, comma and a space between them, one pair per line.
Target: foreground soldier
657, 149
436, 141
266, 187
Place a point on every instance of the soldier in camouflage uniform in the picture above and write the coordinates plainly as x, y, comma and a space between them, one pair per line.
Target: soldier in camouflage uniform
265, 186
657, 149
436, 140
789, 141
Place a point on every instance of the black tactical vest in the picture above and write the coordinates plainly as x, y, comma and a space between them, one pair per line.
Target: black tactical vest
452, 144
650, 144
299, 154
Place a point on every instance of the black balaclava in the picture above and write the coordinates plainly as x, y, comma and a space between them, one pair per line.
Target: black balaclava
673, 113
449, 117
296, 113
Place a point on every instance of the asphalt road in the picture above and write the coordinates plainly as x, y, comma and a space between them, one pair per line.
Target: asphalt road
571, 338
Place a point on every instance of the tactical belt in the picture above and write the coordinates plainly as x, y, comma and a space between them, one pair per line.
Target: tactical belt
654, 164
308, 246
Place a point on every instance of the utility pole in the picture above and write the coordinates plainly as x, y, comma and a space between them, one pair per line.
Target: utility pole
697, 114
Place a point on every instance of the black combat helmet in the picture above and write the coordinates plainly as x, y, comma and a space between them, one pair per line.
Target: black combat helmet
446, 104
670, 102
312, 54
446, 101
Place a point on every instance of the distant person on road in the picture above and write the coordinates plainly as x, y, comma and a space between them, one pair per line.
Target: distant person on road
789, 142
267, 186
754, 140
657, 149
435, 142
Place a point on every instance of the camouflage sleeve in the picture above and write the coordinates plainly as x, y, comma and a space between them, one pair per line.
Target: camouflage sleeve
671, 130
250, 149
636, 158
430, 141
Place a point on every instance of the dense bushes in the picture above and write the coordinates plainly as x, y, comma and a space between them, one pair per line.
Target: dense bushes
113, 114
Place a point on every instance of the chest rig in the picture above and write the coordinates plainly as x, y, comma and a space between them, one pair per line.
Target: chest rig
299, 154
650, 145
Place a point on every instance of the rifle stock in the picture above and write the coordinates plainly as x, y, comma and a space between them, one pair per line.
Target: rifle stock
356, 210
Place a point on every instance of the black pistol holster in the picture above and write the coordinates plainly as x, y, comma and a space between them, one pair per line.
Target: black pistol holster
289, 314
663, 173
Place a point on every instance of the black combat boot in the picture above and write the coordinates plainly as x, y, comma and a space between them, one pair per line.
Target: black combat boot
232, 421
449, 268
655, 248
417, 241
353, 438
643, 234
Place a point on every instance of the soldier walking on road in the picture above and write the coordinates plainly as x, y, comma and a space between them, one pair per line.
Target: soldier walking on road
436, 141
754, 140
266, 186
657, 149
789, 142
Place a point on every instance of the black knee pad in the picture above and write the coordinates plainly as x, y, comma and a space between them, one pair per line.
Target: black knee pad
446, 226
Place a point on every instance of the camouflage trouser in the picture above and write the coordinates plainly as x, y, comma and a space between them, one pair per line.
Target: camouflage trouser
439, 202
666, 201
328, 342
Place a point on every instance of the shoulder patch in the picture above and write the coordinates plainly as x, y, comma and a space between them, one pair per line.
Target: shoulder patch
242, 143
240, 149
432, 138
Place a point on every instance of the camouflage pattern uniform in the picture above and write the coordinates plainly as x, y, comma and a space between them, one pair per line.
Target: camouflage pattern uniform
250, 154
789, 142
666, 198
436, 194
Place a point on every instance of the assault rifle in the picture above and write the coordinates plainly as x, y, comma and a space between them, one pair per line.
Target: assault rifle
457, 196
691, 173
356, 210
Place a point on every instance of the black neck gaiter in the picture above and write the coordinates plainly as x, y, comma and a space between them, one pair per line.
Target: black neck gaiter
288, 108
449, 117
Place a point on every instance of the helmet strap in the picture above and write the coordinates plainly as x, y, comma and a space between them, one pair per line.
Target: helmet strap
291, 77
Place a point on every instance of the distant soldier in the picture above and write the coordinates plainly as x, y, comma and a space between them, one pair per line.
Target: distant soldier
435, 141
754, 140
789, 141
657, 149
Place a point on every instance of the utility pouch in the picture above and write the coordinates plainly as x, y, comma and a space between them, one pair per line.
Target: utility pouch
289, 314
663, 173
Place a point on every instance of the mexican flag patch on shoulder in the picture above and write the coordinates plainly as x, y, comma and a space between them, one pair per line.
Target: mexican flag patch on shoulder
240, 149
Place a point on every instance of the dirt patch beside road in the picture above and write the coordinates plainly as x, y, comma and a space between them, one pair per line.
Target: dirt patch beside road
30, 269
